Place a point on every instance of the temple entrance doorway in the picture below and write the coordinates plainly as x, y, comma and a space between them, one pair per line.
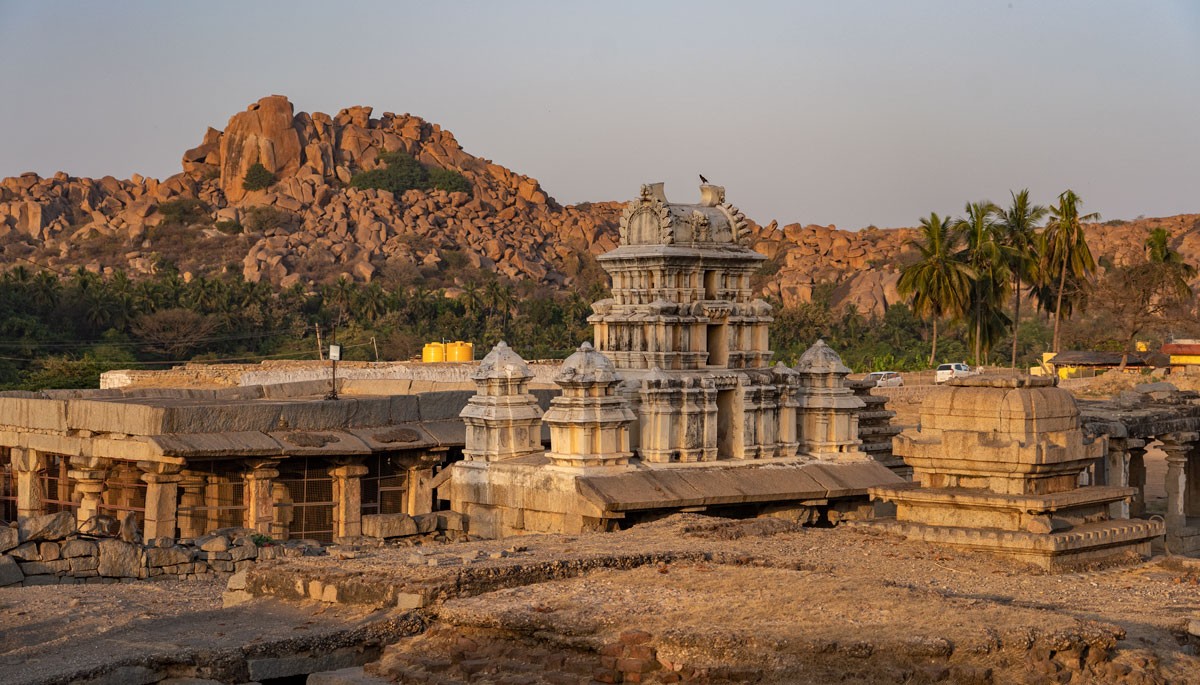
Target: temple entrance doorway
726, 425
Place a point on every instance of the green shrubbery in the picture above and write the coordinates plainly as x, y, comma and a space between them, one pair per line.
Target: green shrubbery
260, 219
401, 172
449, 181
183, 212
258, 178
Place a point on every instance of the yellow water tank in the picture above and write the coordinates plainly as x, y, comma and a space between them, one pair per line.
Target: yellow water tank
459, 351
433, 352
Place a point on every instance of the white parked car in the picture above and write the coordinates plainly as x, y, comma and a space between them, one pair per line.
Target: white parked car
886, 379
947, 371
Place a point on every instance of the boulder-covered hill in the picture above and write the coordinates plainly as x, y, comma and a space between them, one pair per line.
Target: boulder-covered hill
310, 226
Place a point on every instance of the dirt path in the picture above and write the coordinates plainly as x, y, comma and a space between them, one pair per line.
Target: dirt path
60, 633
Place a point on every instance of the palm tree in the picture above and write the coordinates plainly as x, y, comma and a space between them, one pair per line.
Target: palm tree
1067, 249
472, 299
1158, 251
938, 283
988, 260
1019, 226
372, 301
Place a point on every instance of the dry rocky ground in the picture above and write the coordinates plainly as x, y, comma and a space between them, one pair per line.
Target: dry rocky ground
685, 599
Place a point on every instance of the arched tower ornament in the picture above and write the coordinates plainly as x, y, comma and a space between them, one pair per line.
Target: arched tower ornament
737, 220
650, 202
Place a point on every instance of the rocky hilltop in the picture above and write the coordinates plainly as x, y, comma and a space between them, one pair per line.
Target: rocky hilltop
311, 226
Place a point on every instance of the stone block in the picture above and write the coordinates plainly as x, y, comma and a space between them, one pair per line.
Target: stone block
79, 548
451, 520
388, 525
9, 538
243, 552
10, 571
120, 559
31, 581
83, 564
50, 551
426, 523
26, 552
237, 581
48, 527
443, 405
116, 417
35, 568
213, 543
157, 557
34, 414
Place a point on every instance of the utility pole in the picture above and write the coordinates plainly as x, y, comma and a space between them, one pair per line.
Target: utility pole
320, 350
374, 345
335, 353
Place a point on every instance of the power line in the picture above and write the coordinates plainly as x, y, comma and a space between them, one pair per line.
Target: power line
189, 361
121, 343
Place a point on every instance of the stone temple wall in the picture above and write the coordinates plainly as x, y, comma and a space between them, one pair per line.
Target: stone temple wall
50, 550
429, 376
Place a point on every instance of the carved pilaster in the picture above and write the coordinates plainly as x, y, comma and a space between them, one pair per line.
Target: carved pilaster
191, 517
347, 498
29, 467
1117, 471
162, 497
260, 508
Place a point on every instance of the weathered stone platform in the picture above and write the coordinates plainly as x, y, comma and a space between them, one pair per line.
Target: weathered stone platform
996, 463
530, 495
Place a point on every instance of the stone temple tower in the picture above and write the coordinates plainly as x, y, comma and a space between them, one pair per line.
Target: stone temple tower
686, 332
675, 406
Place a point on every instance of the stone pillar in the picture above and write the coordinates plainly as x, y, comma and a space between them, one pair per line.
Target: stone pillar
285, 512
1137, 479
1177, 446
192, 519
162, 498
1117, 471
418, 493
347, 499
29, 466
212, 500
89, 474
1191, 500
260, 508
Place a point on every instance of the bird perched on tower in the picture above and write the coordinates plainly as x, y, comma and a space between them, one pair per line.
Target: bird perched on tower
702, 179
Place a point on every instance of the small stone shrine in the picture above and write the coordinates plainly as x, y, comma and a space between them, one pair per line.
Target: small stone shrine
996, 464
676, 408
502, 419
589, 422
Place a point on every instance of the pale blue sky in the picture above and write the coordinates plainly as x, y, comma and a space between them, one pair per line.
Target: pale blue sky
843, 112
